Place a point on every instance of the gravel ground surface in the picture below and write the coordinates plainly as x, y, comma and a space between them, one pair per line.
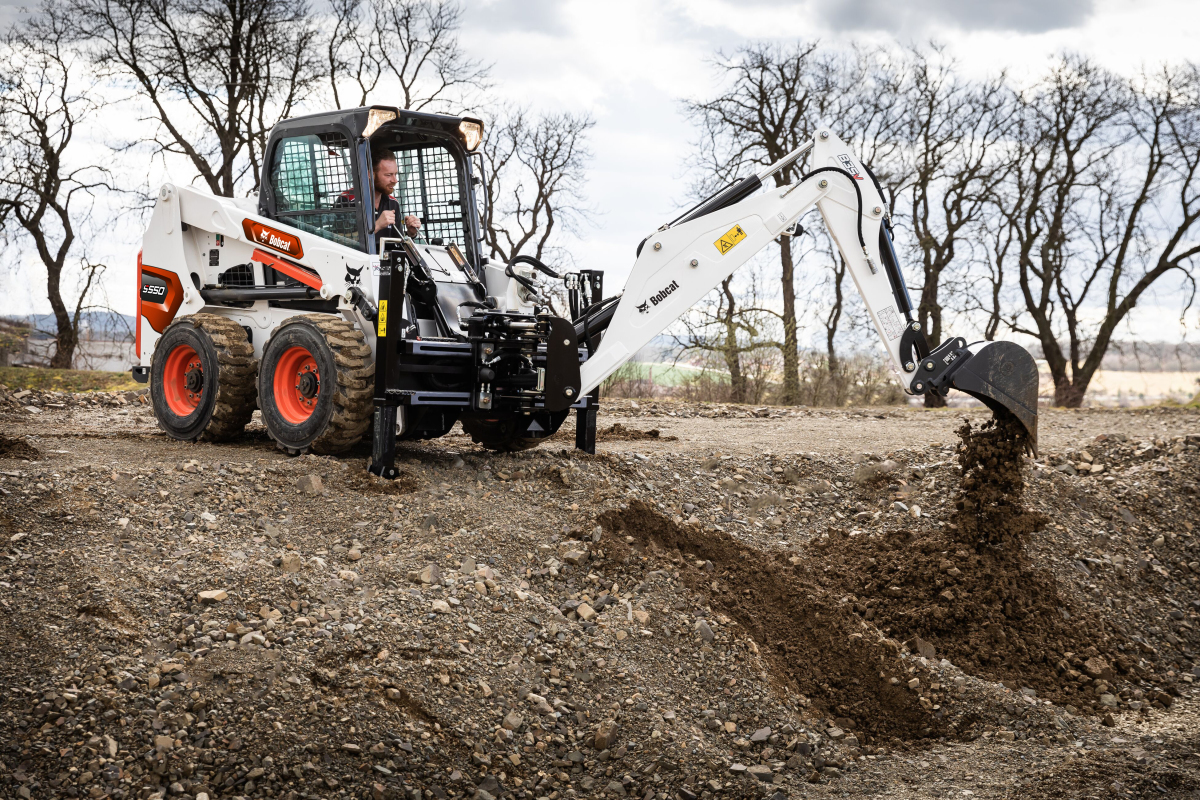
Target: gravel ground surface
723, 602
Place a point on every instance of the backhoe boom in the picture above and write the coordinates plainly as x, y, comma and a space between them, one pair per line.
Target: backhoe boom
684, 260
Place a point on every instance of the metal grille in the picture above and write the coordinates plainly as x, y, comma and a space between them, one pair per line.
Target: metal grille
241, 275
314, 188
429, 190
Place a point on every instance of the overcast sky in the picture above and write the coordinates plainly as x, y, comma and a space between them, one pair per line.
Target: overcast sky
630, 63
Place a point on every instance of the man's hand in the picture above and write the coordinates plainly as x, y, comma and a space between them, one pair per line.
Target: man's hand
412, 225
385, 219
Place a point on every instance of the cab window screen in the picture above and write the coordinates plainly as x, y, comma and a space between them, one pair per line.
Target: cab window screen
313, 184
429, 190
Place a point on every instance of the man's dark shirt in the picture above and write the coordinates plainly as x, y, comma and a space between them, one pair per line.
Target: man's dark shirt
395, 230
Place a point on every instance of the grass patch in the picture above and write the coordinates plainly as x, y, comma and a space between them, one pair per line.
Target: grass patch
66, 380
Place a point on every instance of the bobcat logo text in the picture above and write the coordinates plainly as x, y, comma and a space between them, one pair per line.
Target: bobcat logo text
655, 299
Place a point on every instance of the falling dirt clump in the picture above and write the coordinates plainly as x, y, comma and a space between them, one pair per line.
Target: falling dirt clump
989, 510
17, 448
971, 589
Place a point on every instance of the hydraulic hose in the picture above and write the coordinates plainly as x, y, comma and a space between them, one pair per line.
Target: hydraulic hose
857, 191
533, 262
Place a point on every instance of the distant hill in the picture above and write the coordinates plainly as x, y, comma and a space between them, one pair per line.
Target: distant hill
1147, 356
96, 325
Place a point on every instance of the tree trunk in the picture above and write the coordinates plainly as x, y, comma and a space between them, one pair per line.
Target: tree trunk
66, 336
791, 346
1069, 389
1067, 394
834, 319
831, 356
733, 360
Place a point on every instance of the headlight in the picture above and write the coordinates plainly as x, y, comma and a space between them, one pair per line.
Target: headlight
471, 131
375, 118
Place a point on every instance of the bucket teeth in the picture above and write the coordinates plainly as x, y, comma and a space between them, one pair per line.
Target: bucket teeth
1004, 377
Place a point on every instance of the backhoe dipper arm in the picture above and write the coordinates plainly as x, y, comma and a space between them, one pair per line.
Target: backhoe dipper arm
684, 260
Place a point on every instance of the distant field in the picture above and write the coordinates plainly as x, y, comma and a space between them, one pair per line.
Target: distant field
663, 374
1108, 388
66, 380
1113, 387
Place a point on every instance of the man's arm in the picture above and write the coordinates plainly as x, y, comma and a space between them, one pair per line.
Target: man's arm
386, 219
412, 226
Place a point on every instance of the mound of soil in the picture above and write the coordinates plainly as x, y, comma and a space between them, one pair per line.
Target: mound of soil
17, 448
971, 589
815, 644
620, 433
831, 619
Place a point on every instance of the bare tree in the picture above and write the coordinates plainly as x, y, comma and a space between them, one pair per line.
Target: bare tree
835, 281
729, 327
215, 75
955, 129
776, 98
766, 112
411, 42
1103, 204
44, 196
533, 182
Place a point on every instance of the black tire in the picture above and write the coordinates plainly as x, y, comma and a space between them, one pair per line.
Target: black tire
338, 411
502, 432
214, 395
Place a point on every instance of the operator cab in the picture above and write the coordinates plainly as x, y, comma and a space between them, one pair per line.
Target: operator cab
319, 180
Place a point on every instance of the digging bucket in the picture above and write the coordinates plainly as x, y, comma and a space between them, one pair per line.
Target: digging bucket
1004, 377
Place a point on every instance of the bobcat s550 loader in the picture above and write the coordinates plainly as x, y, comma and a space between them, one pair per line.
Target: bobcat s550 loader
287, 302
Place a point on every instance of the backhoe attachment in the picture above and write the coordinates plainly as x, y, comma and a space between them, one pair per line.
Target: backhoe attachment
683, 260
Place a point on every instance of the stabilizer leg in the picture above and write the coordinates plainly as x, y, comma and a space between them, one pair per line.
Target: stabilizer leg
383, 443
585, 424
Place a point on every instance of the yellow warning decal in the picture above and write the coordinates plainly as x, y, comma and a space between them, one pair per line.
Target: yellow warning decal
730, 239
383, 317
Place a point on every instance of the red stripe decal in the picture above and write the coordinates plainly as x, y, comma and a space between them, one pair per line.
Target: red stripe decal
296, 271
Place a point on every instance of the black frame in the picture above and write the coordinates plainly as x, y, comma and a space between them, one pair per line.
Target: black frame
351, 123
268, 203
466, 186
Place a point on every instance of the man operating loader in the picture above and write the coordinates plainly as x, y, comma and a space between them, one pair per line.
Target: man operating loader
384, 175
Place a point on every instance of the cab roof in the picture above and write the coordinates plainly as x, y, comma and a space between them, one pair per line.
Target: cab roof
355, 119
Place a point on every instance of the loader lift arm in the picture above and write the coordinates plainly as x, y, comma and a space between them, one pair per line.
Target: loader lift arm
681, 262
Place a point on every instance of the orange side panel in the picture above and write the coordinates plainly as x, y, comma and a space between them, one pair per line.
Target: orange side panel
266, 236
137, 320
160, 294
296, 271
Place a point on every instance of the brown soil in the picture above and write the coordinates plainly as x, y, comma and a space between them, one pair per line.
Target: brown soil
17, 448
971, 589
993, 482
816, 645
366, 686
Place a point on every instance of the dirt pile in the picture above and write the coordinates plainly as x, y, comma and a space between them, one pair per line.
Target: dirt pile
971, 590
17, 448
816, 645
830, 618
623, 433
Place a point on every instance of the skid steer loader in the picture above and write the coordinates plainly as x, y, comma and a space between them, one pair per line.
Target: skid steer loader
289, 302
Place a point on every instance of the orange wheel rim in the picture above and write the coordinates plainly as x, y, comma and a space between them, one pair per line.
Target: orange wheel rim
183, 380
297, 385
